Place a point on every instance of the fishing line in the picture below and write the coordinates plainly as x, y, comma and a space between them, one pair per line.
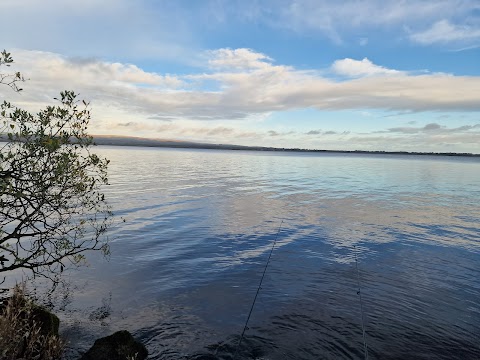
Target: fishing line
258, 290
359, 293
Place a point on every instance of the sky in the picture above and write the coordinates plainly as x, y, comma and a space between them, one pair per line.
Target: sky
340, 75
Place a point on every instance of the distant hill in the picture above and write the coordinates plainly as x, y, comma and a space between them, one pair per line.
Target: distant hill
138, 141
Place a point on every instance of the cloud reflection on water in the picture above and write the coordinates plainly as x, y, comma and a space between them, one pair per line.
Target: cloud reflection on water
197, 236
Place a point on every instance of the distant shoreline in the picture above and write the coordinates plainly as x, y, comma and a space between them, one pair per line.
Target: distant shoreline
134, 141
144, 142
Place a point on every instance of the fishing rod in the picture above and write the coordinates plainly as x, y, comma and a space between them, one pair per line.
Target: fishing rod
245, 328
359, 293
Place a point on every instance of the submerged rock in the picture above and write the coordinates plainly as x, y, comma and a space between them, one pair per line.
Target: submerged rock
118, 346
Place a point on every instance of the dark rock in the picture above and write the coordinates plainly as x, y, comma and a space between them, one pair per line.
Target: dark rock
118, 346
49, 322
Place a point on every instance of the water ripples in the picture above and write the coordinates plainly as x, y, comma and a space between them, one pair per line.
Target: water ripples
199, 226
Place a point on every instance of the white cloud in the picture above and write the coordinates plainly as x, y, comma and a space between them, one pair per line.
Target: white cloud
175, 30
249, 87
50, 67
437, 129
359, 68
255, 86
239, 59
340, 19
444, 32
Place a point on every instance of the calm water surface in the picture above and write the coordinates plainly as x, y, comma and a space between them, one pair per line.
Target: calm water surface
199, 226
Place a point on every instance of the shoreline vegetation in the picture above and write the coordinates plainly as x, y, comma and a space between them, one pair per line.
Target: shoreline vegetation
29, 331
145, 142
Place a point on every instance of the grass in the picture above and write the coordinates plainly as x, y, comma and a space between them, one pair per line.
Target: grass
22, 335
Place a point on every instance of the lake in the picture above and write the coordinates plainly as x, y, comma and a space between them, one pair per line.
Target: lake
200, 224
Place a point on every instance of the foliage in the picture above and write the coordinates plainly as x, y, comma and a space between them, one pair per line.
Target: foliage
51, 205
21, 334
10, 79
